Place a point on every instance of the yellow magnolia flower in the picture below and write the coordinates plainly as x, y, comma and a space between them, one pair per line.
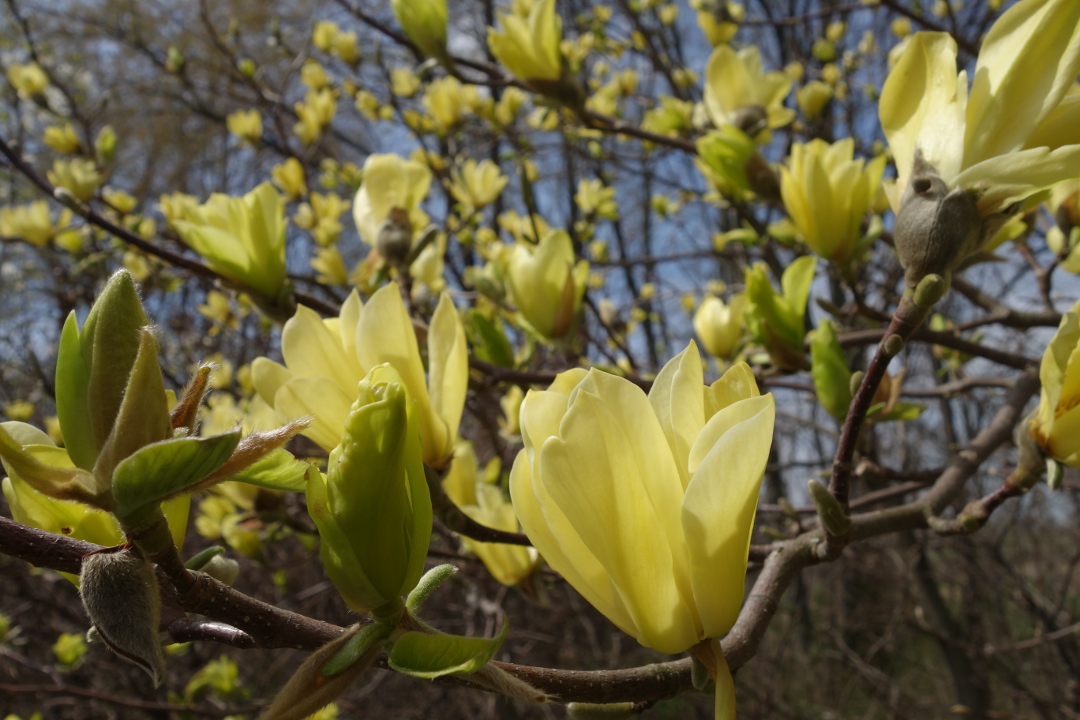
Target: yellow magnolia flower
1008, 138
403, 82
529, 45
313, 74
346, 47
246, 125
646, 504
320, 216
390, 181
812, 98
315, 113
719, 325
289, 177
28, 79
175, 206
427, 270
596, 200
827, 194
545, 284
424, 21
241, 238
477, 184
329, 267
739, 92
447, 100
1056, 426
79, 176
61, 138
32, 222
326, 359
322, 36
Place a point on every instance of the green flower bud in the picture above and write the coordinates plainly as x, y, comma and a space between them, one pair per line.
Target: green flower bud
777, 319
372, 507
105, 145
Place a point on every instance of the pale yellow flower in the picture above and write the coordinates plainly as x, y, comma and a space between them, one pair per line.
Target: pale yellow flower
79, 176
61, 138
403, 82
545, 284
289, 177
1056, 426
827, 193
477, 184
719, 325
326, 359
329, 267
596, 200
424, 21
390, 181
645, 505
246, 125
738, 91
242, 238
529, 46
998, 139
28, 79
447, 101
812, 98
32, 222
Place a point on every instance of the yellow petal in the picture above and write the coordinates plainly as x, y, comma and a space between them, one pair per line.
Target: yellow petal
385, 334
922, 106
321, 398
448, 359
311, 349
1028, 61
551, 533
728, 85
267, 376
677, 398
1062, 126
1007, 179
719, 507
737, 383
590, 474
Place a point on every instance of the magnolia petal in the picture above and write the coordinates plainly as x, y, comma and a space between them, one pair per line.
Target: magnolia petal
320, 398
551, 533
267, 376
737, 383
1029, 60
590, 474
722, 422
728, 85
1008, 179
1065, 437
677, 399
922, 106
448, 360
385, 334
1062, 126
718, 515
311, 349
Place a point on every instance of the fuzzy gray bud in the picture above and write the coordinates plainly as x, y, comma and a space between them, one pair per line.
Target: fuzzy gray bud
935, 228
120, 593
395, 236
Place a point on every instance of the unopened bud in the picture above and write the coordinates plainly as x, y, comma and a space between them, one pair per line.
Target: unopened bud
120, 593
68, 200
894, 344
762, 177
395, 236
935, 228
1055, 472
222, 569
856, 381
930, 290
833, 517
751, 119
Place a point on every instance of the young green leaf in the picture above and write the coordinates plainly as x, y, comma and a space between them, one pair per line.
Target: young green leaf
431, 656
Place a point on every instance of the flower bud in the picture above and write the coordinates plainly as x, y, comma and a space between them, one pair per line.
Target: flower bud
372, 507
424, 21
395, 236
935, 228
120, 593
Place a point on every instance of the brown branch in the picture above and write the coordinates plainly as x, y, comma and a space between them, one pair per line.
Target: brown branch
1000, 313
945, 339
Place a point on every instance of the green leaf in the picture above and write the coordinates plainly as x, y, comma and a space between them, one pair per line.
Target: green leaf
62, 483
904, 411
277, 470
431, 656
72, 405
832, 378
162, 469
488, 341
